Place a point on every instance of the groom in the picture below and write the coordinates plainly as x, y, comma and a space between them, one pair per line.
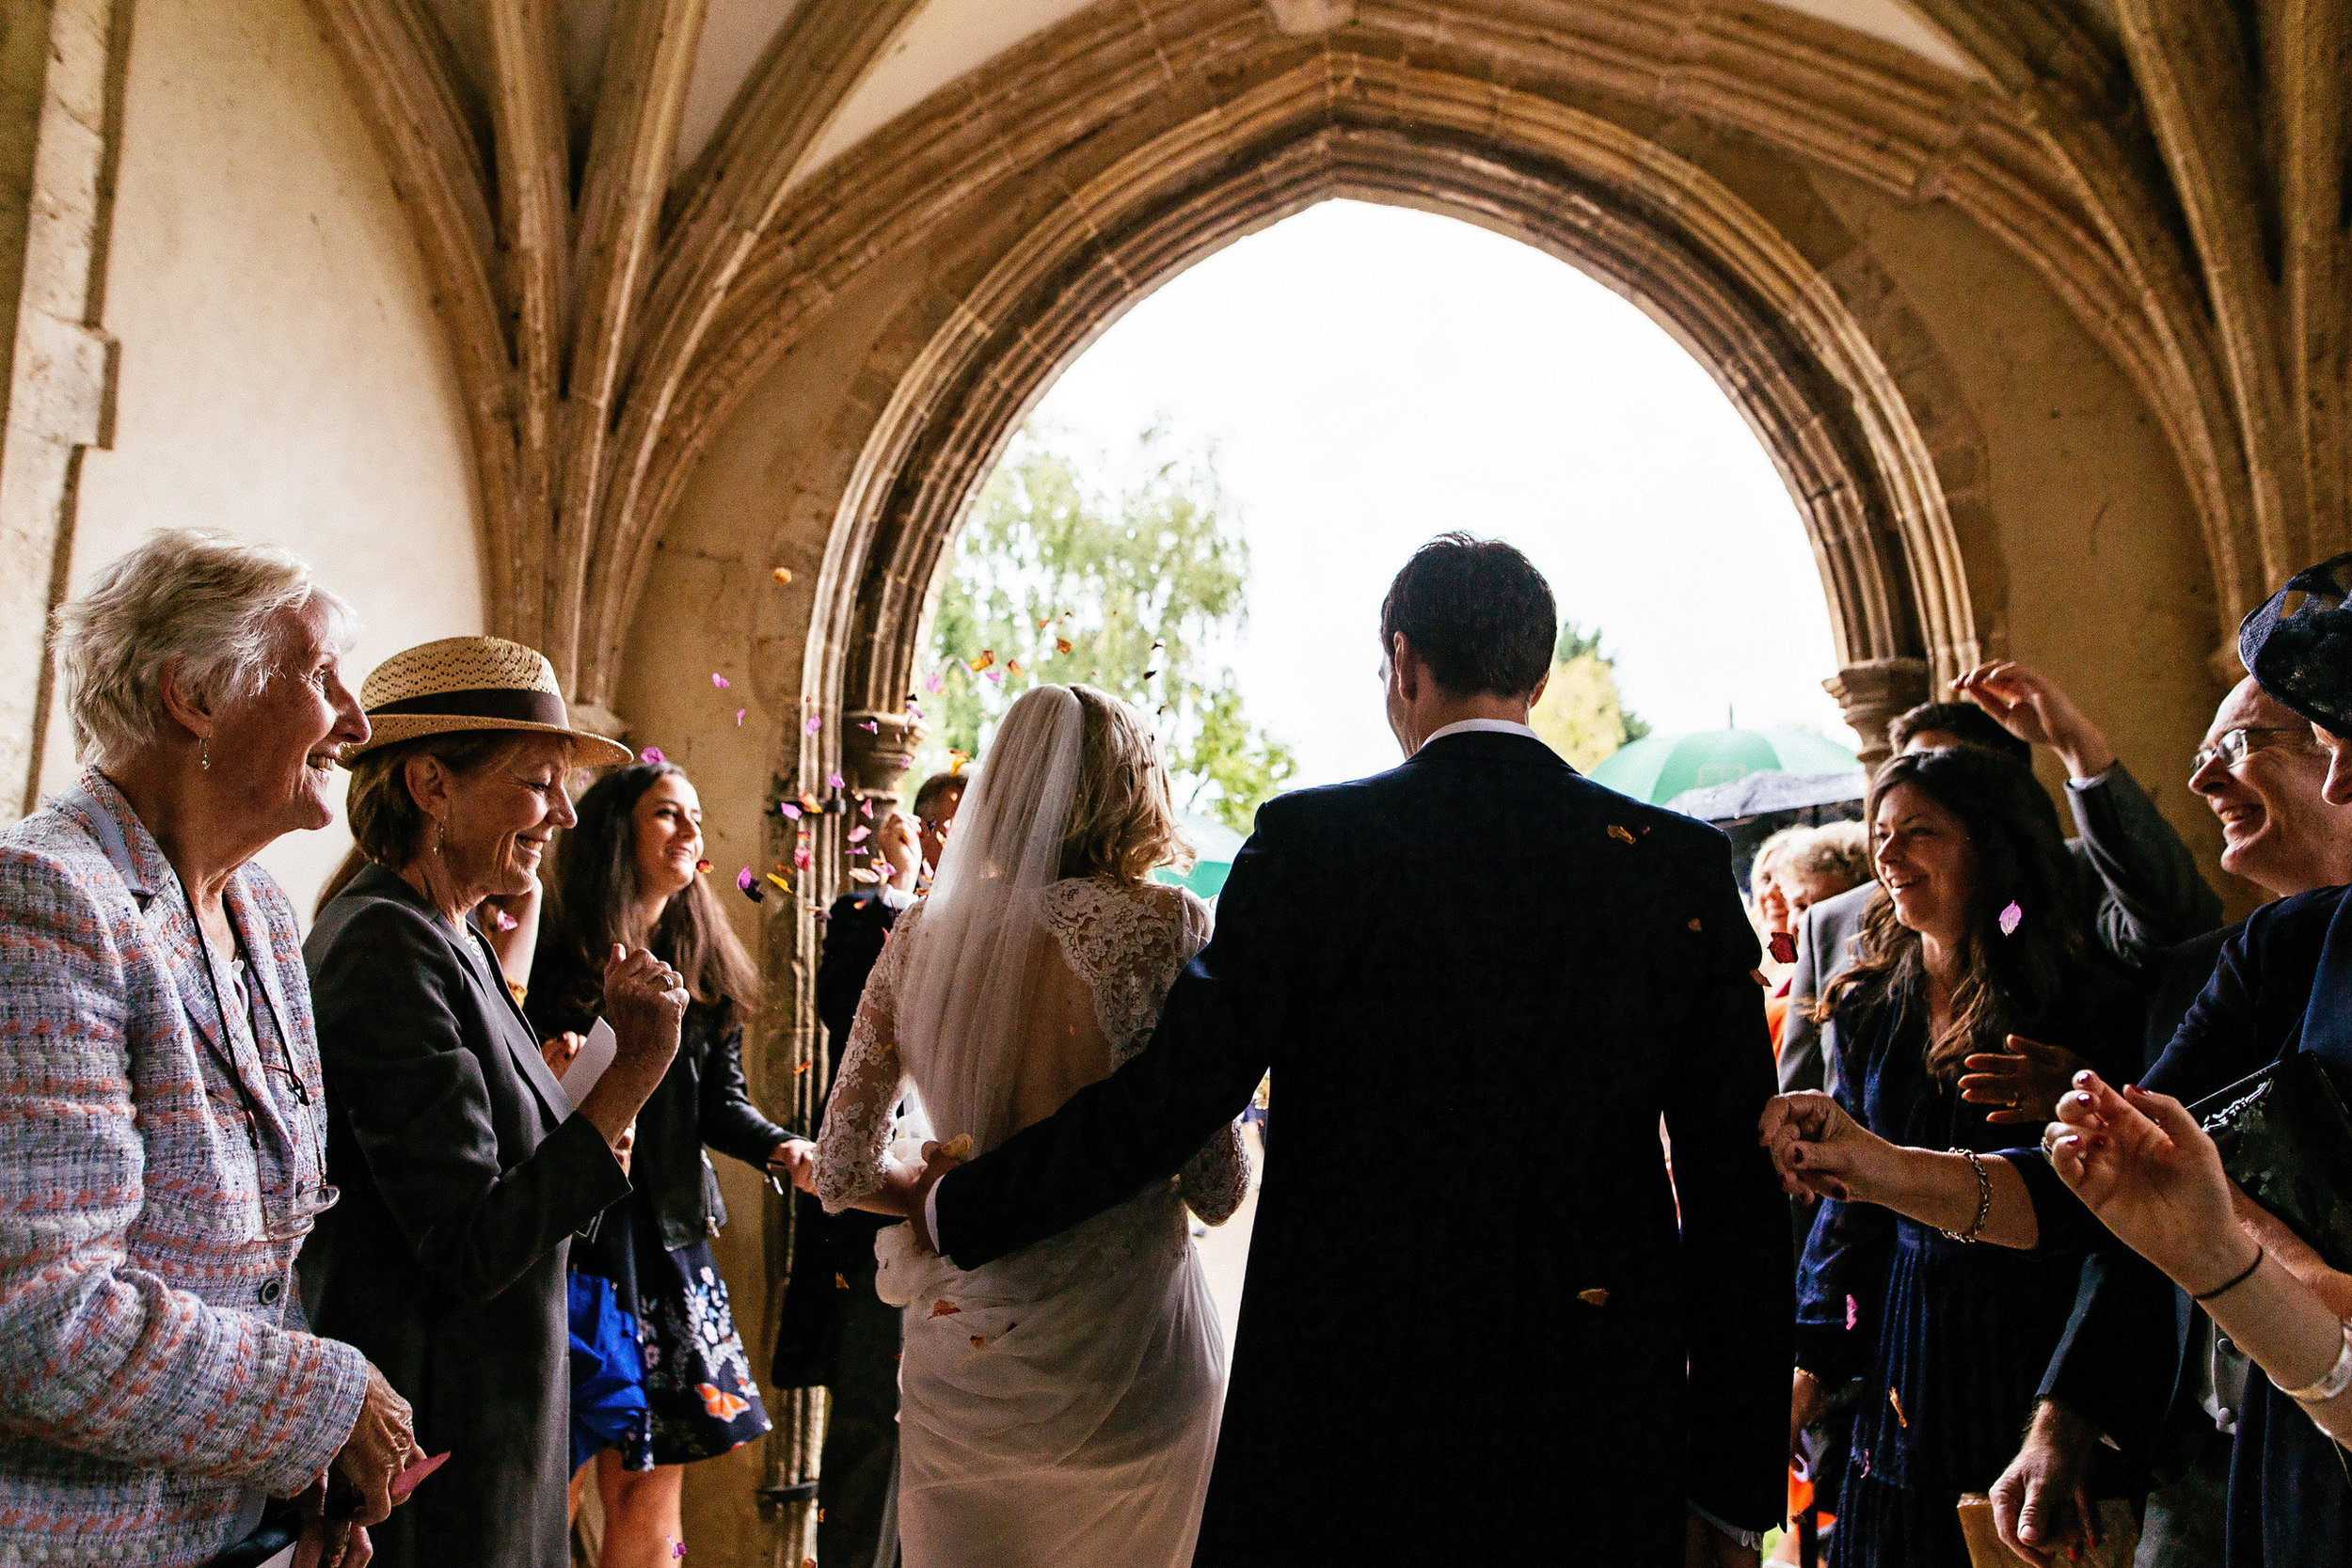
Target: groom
1473, 1329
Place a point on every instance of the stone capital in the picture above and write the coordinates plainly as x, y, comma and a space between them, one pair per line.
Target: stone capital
1874, 691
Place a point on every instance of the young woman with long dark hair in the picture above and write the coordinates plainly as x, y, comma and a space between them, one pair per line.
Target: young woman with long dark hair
1971, 939
628, 874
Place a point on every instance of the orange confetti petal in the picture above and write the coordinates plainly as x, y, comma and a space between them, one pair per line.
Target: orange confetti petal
802, 1067
859, 874
780, 881
1620, 834
979, 1341
839, 1283
1896, 1400
1594, 1298
988, 657
1013, 667
1061, 645
783, 574
945, 1309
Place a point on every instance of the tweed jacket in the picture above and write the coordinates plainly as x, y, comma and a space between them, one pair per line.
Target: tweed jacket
153, 1367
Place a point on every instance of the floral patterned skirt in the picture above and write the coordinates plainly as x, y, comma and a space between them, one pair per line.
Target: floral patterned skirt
700, 1394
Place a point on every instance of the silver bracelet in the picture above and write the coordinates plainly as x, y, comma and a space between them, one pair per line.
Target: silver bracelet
2333, 1381
1984, 1198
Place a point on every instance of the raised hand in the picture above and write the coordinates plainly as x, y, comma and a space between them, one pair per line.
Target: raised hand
2036, 710
644, 1000
2140, 1162
2024, 1084
937, 1163
1816, 1147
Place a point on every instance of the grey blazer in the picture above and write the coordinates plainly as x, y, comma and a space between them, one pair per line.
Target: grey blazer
2135, 883
465, 1170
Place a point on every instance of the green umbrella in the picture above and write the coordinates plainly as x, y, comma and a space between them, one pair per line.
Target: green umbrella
1217, 845
1661, 767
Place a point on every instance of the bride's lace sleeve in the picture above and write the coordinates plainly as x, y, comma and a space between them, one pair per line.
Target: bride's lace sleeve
866, 1086
1216, 1180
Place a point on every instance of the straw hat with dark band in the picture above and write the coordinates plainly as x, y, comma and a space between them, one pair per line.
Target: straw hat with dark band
472, 682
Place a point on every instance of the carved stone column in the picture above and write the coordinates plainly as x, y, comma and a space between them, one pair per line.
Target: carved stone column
874, 760
1874, 691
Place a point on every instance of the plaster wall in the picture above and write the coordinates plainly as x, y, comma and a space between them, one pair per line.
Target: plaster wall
283, 374
2102, 574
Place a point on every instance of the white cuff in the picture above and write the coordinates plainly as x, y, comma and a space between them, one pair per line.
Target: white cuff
1752, 1540
931, 1212
2096, 779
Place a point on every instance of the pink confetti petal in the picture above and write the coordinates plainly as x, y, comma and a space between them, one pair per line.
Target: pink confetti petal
744, 878
814, 724
651, 753
2010, 917
931, 683
503, 921
995, 677
833, 781
789, 810
857, 835
718, 680
866, 724
865, 809
1853, 1313
802, 859
739, 718
406, 1481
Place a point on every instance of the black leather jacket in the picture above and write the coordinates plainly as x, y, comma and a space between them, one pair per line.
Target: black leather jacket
700, 1101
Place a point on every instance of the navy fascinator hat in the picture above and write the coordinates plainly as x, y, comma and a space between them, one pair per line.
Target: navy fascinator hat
2298, 644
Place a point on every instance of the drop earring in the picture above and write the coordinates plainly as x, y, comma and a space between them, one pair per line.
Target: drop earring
204, 755
440, 837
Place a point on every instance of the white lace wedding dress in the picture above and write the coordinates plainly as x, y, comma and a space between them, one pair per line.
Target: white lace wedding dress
1059, 1406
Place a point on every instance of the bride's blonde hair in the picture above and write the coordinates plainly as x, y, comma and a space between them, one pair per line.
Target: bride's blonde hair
1122, 820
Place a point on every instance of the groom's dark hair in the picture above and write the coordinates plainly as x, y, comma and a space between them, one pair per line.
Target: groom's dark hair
1477, 612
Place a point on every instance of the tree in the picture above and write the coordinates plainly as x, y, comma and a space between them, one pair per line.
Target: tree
1582, 715
1055, 579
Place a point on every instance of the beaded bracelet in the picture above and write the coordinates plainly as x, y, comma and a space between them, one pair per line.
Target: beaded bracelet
1984, 1198
2333, 1381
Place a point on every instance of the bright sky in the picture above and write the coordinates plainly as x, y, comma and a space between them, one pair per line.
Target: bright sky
1370, 376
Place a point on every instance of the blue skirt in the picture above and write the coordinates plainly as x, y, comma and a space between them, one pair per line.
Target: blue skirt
1965, 1332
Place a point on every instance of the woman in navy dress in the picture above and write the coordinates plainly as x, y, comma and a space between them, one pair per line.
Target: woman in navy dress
1972, 938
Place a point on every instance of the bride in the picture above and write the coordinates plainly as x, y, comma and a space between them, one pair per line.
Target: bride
1058, 1405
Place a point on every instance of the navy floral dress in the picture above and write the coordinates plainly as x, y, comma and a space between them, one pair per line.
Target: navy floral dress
1948, 1339
654, 1245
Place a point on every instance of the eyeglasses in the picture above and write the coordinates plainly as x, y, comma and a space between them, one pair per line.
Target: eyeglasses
2237, 745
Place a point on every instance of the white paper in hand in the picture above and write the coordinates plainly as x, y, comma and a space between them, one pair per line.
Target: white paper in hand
285, 1559
595, 1056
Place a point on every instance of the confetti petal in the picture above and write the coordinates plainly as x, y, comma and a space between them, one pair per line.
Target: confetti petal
958, 1147
752, 890
802, 859
865, 809
1013, 667
857, 835
1621, 834
1853, 1313
988, 657
859, 874
1896, 1400
780, 881
816, 721
782, 573
790, 809
994, 678
931, 683
1061, 645
718, 680
811, 804
833, 781
702, 866
651, 753
1596, 1296
2010, 917
739, 718
955, 761
866, 724
1784, 947
945, 1310
503, 921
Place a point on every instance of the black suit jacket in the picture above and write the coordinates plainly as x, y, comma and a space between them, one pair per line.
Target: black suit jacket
464, 1172
1471, 1322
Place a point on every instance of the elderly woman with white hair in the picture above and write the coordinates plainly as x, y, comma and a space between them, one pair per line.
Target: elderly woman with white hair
162, 1151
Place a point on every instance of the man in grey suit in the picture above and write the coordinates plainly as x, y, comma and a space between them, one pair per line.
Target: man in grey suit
2139, 884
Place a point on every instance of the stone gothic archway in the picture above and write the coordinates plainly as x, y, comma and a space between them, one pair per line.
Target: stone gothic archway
1779, 339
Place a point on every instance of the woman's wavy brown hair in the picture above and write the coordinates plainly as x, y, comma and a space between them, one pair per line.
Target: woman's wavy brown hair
595, 889
1122, 820
2005, 981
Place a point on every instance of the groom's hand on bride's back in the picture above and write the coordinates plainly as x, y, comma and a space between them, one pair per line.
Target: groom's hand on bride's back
937, 1163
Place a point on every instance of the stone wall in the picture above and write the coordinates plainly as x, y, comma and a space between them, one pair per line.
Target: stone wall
280, 375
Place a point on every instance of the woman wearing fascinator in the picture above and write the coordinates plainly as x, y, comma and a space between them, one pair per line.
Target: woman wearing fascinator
1061, 1406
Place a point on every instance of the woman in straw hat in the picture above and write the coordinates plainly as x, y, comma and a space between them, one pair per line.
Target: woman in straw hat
466, 1167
